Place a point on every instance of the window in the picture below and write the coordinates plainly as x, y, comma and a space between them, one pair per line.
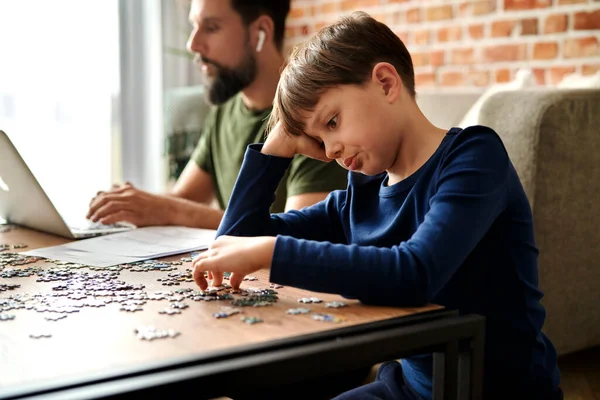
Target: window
59, 87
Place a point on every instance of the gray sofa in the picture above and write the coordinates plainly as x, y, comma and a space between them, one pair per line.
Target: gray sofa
553, 139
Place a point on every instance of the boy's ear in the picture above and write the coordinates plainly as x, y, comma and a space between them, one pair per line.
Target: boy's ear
385, 76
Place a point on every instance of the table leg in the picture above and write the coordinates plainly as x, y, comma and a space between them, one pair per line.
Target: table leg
458, 369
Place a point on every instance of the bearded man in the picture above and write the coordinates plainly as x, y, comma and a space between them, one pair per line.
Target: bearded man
238, 46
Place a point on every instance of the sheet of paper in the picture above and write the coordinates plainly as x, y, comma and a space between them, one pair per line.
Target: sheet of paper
131, 246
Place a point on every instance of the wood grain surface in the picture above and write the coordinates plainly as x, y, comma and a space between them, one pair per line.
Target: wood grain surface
99, 340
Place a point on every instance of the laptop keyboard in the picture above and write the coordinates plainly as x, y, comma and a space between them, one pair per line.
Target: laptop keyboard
88, 225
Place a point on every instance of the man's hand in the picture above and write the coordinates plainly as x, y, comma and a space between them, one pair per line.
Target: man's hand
282, 144
239, 255
126, 203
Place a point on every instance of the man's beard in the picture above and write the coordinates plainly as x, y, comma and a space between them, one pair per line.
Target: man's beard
228, 82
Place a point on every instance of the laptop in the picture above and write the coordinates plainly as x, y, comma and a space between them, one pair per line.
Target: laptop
24, 202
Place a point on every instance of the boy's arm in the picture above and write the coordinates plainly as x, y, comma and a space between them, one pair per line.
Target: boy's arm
248, 213
471, 193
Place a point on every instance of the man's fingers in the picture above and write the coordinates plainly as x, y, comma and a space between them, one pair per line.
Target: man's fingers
121, 216
107, 209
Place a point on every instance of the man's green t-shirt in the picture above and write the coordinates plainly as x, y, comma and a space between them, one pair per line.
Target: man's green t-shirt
227, 132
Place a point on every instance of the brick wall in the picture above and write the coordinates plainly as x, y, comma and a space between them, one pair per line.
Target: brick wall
475, 43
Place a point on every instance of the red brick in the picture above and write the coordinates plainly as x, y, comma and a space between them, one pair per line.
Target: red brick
380, 17
483, 7
502, 28
413, 15
557, 74
556, 23
439, 13
403, 36
452, 79
590, 69
464, 9
398, 18
420, 59
463, 56
581, 47
320, 25
296, 12
422, 37
437, 58
479, 78
587, 20
545, 50
503, 75
449, 34
507, 52
539, 75
529, 26
476, 31
526, 4
476, 7
328, 8
290, 32
427, 79
355, 5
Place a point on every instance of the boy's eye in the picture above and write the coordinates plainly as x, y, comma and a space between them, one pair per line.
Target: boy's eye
332, 123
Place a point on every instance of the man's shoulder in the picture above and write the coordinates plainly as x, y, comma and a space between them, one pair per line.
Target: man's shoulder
228, 107
310, 175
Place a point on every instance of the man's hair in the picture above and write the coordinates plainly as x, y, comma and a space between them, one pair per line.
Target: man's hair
340, 54
276, 9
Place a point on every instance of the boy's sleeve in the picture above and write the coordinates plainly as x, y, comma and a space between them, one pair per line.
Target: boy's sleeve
308, 175
202, 155
247, 213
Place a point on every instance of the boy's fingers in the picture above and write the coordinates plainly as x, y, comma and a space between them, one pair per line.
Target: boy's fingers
236, 280
200, 279
199, 266
217, 278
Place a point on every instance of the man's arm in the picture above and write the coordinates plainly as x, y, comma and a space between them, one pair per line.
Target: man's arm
186, 205
194, 184
193, 192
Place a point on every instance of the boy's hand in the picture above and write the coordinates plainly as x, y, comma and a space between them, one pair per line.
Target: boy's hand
282, 144
238, 255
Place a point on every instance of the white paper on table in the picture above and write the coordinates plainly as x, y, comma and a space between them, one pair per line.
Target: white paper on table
125, 247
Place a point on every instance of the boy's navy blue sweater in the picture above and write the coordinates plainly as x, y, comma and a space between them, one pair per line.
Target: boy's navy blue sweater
458, 232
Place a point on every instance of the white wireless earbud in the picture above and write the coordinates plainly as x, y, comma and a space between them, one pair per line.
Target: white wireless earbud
261, 40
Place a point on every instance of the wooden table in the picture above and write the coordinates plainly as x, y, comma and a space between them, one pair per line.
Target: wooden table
96, 351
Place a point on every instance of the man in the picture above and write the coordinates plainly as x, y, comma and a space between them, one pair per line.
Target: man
238, 45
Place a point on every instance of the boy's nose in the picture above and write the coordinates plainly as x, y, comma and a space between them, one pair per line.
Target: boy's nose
333, 152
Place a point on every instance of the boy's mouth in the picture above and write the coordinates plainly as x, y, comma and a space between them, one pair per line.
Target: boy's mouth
350, 162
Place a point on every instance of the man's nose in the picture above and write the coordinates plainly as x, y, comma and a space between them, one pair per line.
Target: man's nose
195, 43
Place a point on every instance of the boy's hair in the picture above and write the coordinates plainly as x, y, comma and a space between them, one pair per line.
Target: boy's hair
276, 9
340, 54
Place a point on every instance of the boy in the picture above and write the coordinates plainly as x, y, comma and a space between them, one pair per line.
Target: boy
429, 215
